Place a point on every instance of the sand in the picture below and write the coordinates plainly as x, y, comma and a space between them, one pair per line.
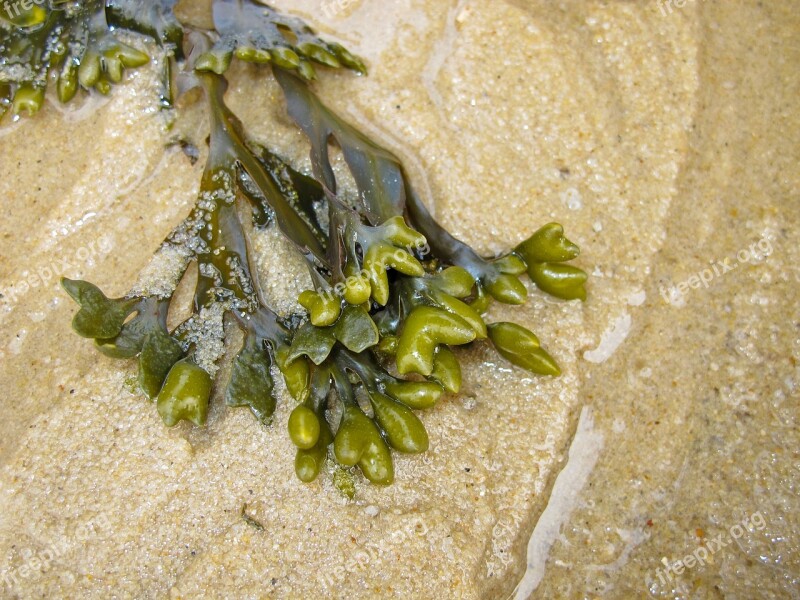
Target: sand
663, 138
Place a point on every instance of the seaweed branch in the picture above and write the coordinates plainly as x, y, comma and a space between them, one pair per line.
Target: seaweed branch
394, 294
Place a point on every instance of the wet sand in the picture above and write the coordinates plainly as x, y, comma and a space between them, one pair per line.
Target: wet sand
664, 141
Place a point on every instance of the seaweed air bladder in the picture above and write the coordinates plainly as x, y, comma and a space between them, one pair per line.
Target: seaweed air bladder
394, 294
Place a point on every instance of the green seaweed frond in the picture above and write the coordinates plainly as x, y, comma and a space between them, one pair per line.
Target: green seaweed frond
394, 295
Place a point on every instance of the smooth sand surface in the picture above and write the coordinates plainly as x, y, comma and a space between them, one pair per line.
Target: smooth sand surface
665, 139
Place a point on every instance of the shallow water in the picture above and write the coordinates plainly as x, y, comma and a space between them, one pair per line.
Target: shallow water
666, 143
